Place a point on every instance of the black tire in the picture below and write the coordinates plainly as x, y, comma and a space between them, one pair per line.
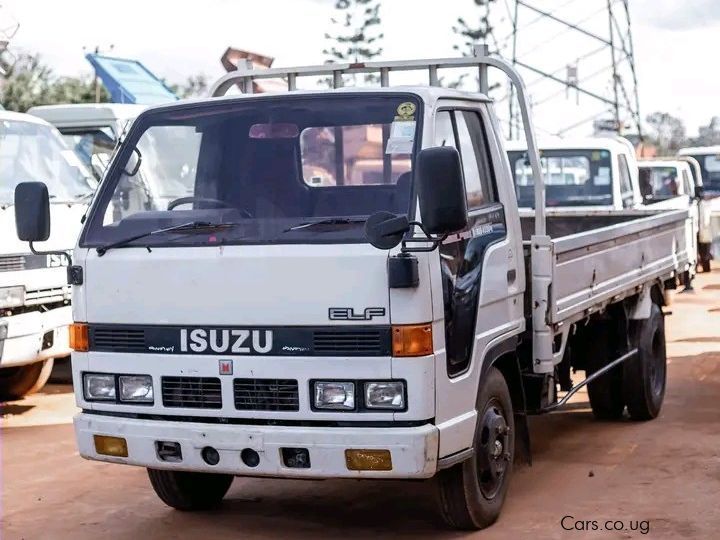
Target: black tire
19, 381
644, 376
189, 491
605, 392
471, 494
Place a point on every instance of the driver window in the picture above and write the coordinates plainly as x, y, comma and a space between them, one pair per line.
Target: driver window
162, 169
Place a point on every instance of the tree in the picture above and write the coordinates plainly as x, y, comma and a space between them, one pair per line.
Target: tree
355, 36
709, 135
194, 86
666, 132
470, 35
473, 34
30, 82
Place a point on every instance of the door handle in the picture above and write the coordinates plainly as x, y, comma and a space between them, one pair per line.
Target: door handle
511, 275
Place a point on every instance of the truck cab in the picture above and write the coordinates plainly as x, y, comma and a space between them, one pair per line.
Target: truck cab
90, 129
350, 291
598, 173
34, 292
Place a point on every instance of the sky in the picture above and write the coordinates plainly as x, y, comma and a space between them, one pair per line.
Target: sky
675, 42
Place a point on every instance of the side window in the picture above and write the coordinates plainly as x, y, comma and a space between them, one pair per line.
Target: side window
476, 166
626, 191
687, 184
444, 130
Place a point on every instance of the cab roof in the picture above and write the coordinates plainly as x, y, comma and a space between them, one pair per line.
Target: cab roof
82, 114
613, 144
699, 150
21, 117
428, 94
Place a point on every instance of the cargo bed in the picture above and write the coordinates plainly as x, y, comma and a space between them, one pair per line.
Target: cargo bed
595, 258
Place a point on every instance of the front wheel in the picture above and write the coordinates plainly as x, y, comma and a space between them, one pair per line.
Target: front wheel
471, 494
189, 491
19, 381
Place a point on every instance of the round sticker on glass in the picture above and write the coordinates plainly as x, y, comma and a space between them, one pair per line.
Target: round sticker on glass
406, 111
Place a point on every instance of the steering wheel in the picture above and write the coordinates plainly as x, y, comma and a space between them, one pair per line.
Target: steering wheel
217, 203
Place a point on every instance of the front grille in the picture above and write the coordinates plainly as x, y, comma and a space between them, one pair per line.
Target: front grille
266, 394
13, 263
374, 342
192, 392
46, 296
117, 339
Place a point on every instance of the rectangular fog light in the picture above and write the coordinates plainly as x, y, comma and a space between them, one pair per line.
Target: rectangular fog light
110, 446
368, 460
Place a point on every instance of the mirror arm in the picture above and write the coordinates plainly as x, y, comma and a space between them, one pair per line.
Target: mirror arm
74, 273
435, 241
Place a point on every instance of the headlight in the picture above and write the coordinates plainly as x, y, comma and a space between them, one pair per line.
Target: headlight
11, 297
136, 388
99, 386
335, 395
385, 395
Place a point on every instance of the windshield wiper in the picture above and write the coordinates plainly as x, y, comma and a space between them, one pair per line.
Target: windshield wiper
328, 221
191, 226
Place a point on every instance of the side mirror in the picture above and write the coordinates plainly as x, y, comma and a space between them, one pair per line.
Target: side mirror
385, 230
32, 212
441, 190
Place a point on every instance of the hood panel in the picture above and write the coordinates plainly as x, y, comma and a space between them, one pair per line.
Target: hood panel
293, 285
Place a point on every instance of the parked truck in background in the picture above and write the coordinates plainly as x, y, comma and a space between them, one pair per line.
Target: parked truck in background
597, 176
598, 173
670, 183
708, 159
301, 317
34, 293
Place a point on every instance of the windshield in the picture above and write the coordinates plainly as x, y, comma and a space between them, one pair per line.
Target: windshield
88, 142
710, 166
572, 177
263, 165
659, 183
32, 152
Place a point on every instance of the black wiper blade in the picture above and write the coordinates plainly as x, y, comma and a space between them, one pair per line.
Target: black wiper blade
327, 221
190, 226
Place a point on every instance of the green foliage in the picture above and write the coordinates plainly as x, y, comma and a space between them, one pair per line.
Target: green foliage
355, 34
666, 132
30, 82
470, 33
194, 86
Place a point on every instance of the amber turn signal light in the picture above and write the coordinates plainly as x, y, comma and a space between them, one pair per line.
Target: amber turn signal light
368, 460
412, 340
110, 446
79, 340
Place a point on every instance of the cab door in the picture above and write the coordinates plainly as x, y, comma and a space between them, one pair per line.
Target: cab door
481, 270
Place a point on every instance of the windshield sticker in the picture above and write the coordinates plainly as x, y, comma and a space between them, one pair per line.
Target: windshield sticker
402, 137
406, 112
603, 176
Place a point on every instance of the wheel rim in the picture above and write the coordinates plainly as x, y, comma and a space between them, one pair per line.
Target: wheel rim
493, 454
657, 364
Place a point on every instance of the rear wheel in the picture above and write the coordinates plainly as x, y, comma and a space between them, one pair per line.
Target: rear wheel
19, 381
644, 376
605, 392
471, 494
190, 490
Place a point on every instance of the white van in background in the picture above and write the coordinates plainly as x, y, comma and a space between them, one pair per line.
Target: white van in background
34, 289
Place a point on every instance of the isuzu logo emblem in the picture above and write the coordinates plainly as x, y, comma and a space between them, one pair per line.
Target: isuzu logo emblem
225, 367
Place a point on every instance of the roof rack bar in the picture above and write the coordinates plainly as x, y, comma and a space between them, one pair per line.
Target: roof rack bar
337, 78
384, 77
433, 76
292, 82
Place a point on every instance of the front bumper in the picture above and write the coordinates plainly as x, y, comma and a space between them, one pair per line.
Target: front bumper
414, 450
25, 344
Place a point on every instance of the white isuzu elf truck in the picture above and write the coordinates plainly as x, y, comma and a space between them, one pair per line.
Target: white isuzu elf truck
350, 292
34, 291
